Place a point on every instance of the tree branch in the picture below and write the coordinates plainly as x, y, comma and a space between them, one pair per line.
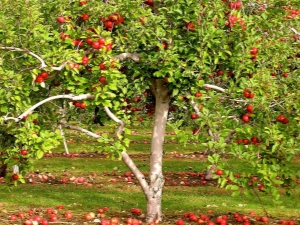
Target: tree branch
62, 111
43, 64
125, 157
195, 107
133, 56
28, 111
140, 177
114, 118
72, 127
294, 30
214, 87
228, 138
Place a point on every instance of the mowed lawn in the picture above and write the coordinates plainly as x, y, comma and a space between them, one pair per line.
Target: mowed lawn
120, 196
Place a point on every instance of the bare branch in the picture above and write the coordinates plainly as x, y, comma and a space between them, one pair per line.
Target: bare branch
238, 100
214, 87
43, 64
72, 127
296, 32
61, 67
114, 118
228, 138
133, 56
195, 107
28, 111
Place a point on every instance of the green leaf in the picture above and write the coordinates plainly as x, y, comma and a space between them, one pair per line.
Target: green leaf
39, 154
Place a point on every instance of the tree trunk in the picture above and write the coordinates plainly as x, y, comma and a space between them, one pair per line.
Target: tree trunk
3, 170
154, 195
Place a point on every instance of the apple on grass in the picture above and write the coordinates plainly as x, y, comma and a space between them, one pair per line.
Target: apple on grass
45, 222
68, 215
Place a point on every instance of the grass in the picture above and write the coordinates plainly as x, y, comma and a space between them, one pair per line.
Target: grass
122, 196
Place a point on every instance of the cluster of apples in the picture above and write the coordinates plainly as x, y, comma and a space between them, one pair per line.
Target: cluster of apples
249, 110
112, 20
235, 5
282, 119
291, 13
254, 140
42, 77
248, 93
80, 105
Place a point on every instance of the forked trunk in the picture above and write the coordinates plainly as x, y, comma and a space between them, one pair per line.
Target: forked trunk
153, 189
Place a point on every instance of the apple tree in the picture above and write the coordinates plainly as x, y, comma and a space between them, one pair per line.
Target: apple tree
229, 69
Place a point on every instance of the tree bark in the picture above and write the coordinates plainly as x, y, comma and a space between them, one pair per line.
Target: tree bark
162, 99
3, 170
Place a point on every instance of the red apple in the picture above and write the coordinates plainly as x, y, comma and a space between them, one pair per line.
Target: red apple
37, 219
44, 74
28, 222
45, 222
13, 217
53, 218
82, 105
39, 79
102, 66
253, 51
198, 94
68, 215
249, 108
246, 118
85, 16
264, 219
196, 131
219, 172
280, 118
96, 45
20, 215
149, 2
60, 206
15, 177
285, 121
194, 116
61, 19
102, 79
24, 152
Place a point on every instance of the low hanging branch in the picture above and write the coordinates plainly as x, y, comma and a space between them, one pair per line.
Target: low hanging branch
114, 118
43, 64
125, 157
73, 127
28, 111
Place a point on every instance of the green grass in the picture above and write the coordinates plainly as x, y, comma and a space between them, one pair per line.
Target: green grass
121, 196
